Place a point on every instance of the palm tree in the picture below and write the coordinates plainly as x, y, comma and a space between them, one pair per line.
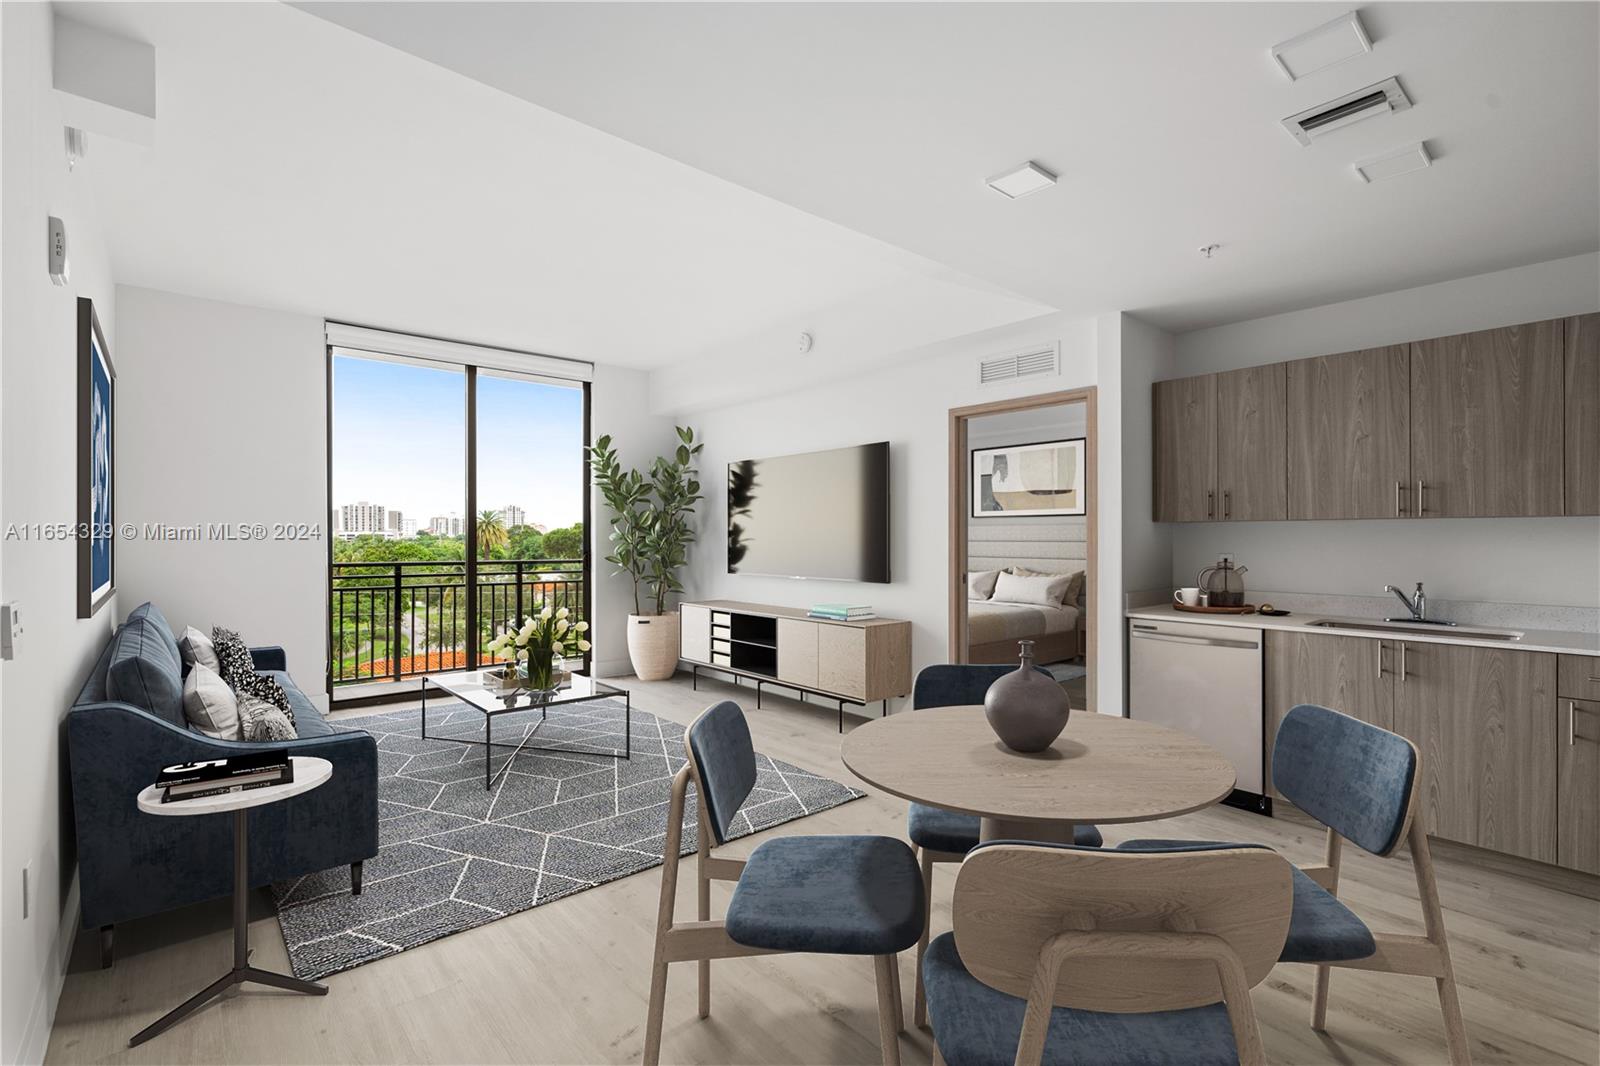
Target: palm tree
492, 534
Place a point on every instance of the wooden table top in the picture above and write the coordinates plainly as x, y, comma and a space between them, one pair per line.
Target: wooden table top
1101, 769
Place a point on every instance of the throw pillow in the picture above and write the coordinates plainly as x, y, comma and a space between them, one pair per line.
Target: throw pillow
209, 704
980, 584
239, 671
196, 647
260, 720
1074, 587
1045, 590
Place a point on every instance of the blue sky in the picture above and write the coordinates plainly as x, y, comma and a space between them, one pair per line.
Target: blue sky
399, 439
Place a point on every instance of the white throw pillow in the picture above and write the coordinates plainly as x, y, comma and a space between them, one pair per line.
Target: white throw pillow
1045, 590
196, 648
261, 721
980, 584
1074, 589
209, 704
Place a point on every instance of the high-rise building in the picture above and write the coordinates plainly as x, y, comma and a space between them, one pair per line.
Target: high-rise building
393, 521
408, 527
357, 518
511, 515
445, 525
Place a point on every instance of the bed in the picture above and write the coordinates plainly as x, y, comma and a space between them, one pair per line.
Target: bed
993, 629
1041, 545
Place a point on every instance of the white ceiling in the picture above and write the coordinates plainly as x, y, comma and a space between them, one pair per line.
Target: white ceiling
1162, 120
296, 165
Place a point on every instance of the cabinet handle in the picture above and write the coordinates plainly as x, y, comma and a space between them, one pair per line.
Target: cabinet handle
1572, 723
1399, 511
1227, 503
1422, 500
1402, 660
1381, 669
1211, 504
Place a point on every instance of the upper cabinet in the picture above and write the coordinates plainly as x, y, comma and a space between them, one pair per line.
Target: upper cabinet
1583, 414
1252, 484
1502, 422
1349, 432
1486, 421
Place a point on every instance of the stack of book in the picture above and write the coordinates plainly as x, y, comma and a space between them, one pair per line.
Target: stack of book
843, 612
216, 777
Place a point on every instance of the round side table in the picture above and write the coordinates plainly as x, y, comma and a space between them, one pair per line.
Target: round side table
308, 774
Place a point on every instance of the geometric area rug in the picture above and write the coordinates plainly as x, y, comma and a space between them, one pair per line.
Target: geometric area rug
453, 856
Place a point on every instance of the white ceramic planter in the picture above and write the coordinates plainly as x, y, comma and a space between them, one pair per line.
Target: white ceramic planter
653, 645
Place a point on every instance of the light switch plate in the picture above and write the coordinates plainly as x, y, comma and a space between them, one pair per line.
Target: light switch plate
10, 629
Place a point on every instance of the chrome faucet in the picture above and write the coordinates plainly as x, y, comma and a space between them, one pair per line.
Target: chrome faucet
1417, 605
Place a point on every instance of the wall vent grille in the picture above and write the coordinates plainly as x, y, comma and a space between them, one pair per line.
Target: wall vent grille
1028, 363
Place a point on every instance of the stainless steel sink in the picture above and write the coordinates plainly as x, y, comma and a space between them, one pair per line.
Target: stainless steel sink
1392, 625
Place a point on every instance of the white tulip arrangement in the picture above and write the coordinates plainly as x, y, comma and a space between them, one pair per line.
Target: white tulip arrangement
539, 640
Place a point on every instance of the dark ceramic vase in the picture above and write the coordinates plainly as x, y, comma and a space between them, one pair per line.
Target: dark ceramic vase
1026, 709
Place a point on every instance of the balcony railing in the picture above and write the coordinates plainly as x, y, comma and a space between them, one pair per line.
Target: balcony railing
402, 619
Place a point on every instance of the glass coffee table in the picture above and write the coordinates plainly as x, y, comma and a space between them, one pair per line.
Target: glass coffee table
473, 688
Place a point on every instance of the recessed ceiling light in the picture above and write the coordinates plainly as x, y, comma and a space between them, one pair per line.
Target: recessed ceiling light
1411, 157
1332, 42
1029, 177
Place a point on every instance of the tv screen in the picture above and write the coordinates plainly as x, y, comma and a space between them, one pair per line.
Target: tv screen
820, 515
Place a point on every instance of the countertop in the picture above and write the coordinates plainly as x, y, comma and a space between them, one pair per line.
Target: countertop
1547, 640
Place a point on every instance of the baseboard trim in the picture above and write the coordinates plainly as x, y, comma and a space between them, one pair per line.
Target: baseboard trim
35, 1040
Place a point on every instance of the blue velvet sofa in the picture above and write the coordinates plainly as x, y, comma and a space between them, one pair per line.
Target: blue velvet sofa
127, 723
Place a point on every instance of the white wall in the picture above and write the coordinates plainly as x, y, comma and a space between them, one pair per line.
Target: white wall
38, 484
1507, 560
223, 420
906, 404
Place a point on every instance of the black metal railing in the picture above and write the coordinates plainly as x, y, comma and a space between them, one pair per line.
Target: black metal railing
401, 619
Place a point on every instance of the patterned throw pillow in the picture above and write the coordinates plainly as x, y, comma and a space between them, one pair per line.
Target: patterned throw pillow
261, 721
239, 671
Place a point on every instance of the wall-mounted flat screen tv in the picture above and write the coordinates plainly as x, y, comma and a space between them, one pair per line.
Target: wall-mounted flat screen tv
816, 515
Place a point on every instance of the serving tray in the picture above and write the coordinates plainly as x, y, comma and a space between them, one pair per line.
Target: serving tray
1243, 608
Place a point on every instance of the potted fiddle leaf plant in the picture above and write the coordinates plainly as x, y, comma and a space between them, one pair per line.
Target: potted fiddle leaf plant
650, 540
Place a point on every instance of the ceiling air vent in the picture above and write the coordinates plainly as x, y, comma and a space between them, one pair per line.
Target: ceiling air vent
1028, 363
1384, 98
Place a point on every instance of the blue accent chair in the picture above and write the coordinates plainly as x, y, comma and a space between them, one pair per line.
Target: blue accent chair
127, 723
1361, 783
941, 835
833, 895
1071, 955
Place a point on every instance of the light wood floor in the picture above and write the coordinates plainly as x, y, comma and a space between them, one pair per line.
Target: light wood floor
566, 983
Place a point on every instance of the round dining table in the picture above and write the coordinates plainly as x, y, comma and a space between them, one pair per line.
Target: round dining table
1101, 770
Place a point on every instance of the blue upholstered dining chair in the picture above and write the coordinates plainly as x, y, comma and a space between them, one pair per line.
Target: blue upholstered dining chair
1065, 954
1361, 783
832, 895
941, 835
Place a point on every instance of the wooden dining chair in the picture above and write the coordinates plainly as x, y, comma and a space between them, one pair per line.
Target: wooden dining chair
1361, 783
831, 895
941, 835
1065, 954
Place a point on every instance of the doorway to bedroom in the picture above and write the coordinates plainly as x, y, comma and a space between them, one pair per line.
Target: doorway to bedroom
1022, 535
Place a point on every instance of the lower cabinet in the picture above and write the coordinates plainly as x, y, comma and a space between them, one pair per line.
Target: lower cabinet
1579, 778
1347, 674
1485, 722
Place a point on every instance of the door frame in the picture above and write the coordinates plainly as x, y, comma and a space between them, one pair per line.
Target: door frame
957, 573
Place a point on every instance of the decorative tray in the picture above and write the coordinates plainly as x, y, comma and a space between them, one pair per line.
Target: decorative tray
1244, 608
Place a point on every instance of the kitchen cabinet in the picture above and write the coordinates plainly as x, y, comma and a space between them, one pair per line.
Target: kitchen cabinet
1349, 435
1578, 779
1583, 414
1346, 674
1251, 418
1486, 422
1485, 721
1185, 413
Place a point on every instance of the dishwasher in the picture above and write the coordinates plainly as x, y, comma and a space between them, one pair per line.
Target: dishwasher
1204, 680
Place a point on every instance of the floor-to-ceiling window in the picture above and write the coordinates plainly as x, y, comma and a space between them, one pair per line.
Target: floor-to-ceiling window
458, 496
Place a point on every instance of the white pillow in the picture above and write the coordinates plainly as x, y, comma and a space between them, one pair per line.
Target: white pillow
1045, 590
209, 704
196, 648
980, 584
1069, 596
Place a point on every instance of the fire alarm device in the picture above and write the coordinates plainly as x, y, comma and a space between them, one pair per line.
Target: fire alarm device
58, 251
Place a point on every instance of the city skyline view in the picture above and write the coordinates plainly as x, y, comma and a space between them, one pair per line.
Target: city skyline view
399, 441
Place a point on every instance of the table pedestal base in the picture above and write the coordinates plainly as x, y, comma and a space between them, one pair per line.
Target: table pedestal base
242, 970
1050, 832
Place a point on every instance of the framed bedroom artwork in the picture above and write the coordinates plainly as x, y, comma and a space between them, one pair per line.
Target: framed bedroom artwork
97, 380
1039, 480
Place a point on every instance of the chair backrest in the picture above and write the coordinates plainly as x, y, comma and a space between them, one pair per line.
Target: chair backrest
1012, 898
723, 760
1355, 778
957, 684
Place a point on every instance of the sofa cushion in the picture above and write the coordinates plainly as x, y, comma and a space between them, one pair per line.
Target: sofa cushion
149, 612
145, 670
308, 721
195, 647
209, 704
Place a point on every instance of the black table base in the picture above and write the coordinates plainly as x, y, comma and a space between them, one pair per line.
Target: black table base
242, 970
489, 743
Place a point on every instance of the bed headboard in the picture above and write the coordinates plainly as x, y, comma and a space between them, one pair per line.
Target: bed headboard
1051, 545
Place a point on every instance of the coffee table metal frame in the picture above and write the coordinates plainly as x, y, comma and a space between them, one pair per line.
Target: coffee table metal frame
516, 702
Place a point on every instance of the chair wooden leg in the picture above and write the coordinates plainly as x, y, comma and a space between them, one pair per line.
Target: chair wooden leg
919, 1008
658, 1006
1455, 1029
1319, 998
899, 996
888, 1030
703, 899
